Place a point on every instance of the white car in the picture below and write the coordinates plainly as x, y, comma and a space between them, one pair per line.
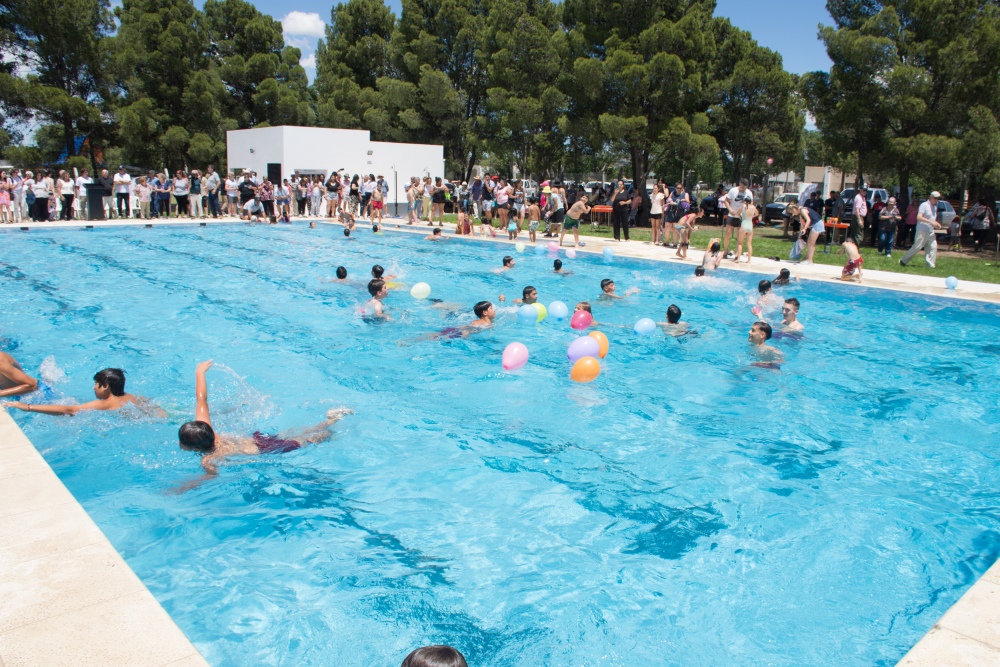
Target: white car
530, 188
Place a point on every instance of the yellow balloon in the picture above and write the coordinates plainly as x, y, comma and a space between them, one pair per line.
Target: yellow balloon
602, 340
586, 369
393, 285
542, 311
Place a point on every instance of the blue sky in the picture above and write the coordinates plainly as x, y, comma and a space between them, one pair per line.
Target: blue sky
786, 26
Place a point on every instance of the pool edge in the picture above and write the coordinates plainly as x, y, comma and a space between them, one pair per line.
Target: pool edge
68, 597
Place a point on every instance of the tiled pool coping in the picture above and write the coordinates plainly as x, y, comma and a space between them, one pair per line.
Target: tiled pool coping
67, 597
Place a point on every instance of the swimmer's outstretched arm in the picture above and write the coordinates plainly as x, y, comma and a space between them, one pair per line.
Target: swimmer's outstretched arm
201, 393
25, 384
59, 410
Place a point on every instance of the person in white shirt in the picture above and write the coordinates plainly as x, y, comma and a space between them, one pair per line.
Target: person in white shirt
232, 195
82, 181
17, 195
254, 210
65, 191
123, 183
856, 230
926, 239
734, 201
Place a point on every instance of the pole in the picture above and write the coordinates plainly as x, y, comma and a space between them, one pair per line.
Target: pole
395, 189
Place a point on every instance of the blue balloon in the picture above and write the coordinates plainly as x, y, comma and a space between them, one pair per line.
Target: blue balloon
609, 254
951, 282
527, 314
645, 326
540, 250
558, 310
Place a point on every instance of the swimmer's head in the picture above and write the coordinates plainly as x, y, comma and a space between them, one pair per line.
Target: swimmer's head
583, 305
109, 381
341, 273
435, 656
375, 229
760, 332
197, 436
764, 286
436, 232
377, 271
673, 314
347, 232
607, 286
557, 265
784, 274
529, 294
716, 247
377, 287
699, 271
508, 261
483, 309
791, 306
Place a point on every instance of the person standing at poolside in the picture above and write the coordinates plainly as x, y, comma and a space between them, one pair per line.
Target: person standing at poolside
734, 201
888, 222
926, 238
109, 388
812, 227
572, 219
123, 183
82, 181
856, 230
13, 380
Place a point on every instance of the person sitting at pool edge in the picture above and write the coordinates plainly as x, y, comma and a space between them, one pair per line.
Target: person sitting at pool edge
529, 295
199, 436
109, 388
435, 235
253, 209
608, 290
768, 357
13, 380
379, 290
713, 256
790, 314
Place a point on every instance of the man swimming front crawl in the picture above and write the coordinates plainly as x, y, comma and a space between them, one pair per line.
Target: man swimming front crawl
13, 380
199, 436
109, 388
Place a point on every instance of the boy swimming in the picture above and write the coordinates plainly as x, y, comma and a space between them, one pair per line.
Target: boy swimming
608, 290
508, 264
767, 356
673, 326
199, 435
378, 290
529, 295
435, 235
557, 267
109, 388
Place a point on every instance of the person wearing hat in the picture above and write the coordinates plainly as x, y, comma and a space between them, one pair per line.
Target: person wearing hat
926, 238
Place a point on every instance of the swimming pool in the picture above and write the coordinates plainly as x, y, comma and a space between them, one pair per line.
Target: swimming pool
685, 508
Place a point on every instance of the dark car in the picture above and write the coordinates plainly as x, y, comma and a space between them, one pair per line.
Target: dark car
847, 194
776, 209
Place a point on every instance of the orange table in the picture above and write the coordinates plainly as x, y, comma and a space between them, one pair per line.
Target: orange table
597, 211
834, 226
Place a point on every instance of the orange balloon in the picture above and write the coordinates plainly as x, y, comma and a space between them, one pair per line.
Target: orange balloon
602, 340
586, 369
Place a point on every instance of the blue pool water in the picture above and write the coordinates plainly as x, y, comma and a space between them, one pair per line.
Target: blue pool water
683, 509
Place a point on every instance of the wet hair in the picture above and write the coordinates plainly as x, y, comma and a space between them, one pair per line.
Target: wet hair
699, 271
480, 308
375, 229
197, 435
792, 301
764, 286
435, 656
528, 290
605, 283
557, 264
113, 379
507, 260
584, 305
347, 232
377, 271
375, 286
274, 219
716, 247
765, 327
341, 272
436, 232
784, 273
673, 314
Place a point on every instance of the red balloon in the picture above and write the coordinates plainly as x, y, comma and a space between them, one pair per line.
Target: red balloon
581, 320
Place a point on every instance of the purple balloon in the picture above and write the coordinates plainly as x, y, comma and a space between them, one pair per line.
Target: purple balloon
584, 346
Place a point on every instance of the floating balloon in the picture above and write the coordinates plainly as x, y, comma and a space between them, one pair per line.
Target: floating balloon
553, 246
540, 250
609, 254
515, 356
542, 311
519, 246
571, 253
586, 369
584, 346
581, 319
559, 310
527, 314
602, 342
645, 326
420, 291
951, 282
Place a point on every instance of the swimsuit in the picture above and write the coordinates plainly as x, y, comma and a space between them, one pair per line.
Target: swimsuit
450, 332
853, 266
511, 226
570, 223
533, 225
272, 444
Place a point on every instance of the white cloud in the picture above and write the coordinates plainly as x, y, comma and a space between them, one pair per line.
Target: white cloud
303, 23
309, 61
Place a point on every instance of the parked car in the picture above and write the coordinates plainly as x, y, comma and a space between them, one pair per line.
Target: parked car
945, 213
847, 194
530, 188
776, 209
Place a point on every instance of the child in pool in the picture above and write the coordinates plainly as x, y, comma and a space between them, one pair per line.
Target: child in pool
608, 290
529, 295
379, 273
435, 235
713, 256
199, 435
767, 356
508, 264
378, 289
673, 326
109, 389
485, 314
557, 267
784, 277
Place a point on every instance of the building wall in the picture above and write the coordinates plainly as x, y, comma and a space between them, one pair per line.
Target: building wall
265, 143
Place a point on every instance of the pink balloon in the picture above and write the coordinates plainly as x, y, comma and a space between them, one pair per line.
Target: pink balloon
553, 246
515, 356
584, 346
581, 320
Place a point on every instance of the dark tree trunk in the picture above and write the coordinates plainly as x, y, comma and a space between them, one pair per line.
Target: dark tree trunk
468, 167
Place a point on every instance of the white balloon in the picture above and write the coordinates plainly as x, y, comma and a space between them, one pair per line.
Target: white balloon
420, 291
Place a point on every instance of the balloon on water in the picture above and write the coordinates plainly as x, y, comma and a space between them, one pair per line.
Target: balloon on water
571, 253
527, 314
584, 346
581, 319
515, 356
586, 369
420, 291
541, 310
644, 327
559, 310
602, 342
951, 282
540, 250
553, 246
519, 246
609, 254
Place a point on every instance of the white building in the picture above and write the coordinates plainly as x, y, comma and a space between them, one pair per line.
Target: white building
280, 151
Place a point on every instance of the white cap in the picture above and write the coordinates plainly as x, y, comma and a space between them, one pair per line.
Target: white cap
935, 195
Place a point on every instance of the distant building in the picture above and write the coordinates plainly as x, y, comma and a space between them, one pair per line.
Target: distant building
828, 178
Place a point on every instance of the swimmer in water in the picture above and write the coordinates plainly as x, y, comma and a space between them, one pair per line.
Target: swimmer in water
109, 388
341, 277
529, 295
766, 298
485, 314
767, 356
557, 267
379, 290
13, 380
583, 305
713, 256
673, 326
199, 436
699, 272
435, 235
312, 224
508, 263
790, 315
784, 277
347, 232
379, 273
608, 290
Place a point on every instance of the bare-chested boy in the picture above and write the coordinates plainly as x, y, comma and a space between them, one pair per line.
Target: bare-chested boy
109, 388
572, 220
13, 380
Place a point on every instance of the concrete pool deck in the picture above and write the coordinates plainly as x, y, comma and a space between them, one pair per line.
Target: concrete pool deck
67, 597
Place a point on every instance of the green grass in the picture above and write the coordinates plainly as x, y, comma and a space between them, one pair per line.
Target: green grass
767, 242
